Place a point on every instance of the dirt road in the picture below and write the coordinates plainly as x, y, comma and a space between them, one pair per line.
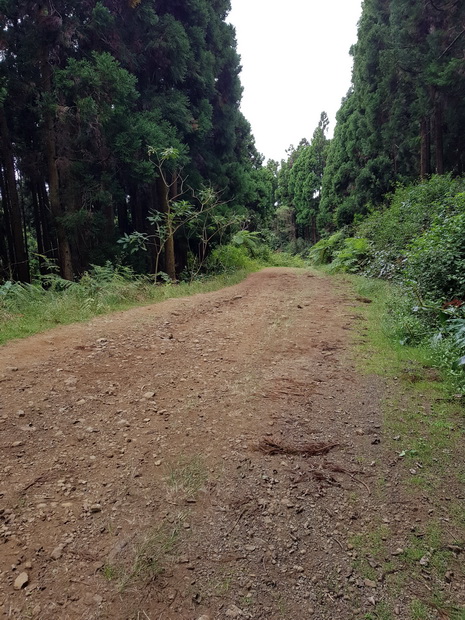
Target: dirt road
205, 458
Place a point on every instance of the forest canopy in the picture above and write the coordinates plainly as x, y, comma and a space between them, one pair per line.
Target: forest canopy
91, 96
403, 116
122, 141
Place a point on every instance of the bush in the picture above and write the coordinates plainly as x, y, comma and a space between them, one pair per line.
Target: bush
323, 252
297, 246
411, 211
228, 258
284, 259
354, 254
405, 322
435, 263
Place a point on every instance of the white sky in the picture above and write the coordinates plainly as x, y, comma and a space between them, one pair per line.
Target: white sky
295, 64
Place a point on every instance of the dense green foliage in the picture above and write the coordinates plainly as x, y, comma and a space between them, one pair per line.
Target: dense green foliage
417, 241
402, 116
86, 89
435, 262
401, 119
298, 190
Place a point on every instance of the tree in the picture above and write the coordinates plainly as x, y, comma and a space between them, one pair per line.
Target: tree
305, 180
400, 118
86, 86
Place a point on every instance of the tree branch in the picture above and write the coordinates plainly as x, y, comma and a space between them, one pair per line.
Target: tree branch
453, 42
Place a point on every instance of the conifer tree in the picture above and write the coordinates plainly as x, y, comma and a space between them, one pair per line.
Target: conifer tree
86, 87
400, 119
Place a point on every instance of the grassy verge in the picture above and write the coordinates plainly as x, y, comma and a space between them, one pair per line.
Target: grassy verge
31, 309
27, 309
424, 439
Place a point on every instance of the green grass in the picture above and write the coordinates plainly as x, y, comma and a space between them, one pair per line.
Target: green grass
371, 543
381, 612
419, 611
187, 476
423, 423
30, 309
147, 558
423, 432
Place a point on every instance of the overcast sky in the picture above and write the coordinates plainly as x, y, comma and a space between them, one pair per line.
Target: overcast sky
295, 64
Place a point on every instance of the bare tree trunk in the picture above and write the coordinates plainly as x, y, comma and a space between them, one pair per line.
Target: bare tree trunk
314, 231
9, 258
64, 249
425, 156
20, 267
44, 211
170, 263
438, 138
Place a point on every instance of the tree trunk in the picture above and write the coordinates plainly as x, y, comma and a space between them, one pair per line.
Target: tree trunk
44, 210
425, 157
64, 249
41, 251
438, 138
314, 230
20, 266
170, 262
123, 219
9, 254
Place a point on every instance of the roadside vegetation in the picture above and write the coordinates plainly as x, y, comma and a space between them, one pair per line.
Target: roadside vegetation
422, 438
413, 253
26, 309
406, 263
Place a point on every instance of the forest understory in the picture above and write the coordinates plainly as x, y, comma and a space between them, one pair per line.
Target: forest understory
228, 455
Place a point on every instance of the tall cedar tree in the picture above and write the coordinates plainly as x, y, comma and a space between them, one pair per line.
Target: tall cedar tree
299, 183
402, 116
86, 87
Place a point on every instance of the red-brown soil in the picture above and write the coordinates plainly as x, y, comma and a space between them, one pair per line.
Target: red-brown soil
157, 463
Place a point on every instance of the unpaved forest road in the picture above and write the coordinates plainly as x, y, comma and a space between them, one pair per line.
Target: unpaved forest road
131, 485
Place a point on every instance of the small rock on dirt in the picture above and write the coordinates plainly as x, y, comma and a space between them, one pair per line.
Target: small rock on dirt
233, 612
425, 560
57, 553
21, 581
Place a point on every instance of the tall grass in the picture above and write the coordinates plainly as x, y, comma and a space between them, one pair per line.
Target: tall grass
27, 309
407, 339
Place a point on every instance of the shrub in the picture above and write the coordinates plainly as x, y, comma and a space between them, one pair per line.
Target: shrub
323, 252
297, 246
411, 212
354, 254
228, 258
435, 263
284, 259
